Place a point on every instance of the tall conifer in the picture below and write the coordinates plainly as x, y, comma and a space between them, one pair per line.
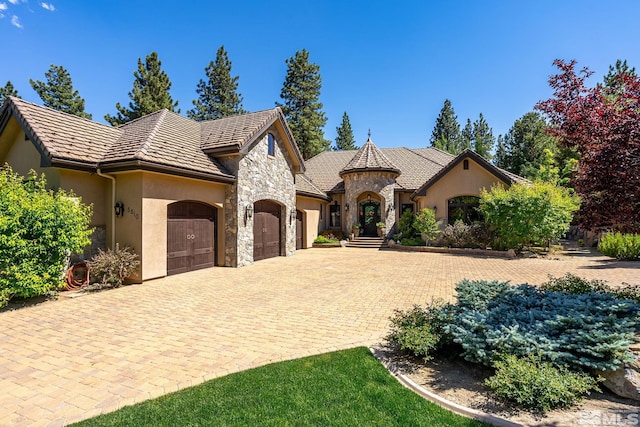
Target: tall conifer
58, 93
217, 96
446, 132
150, 92
345, 139
301, 104
7, 91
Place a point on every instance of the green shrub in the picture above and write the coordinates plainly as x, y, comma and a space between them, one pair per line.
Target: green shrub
528, 213
405, 224
421, 331
111, 268
412, 241
621, 246
39, 228
425, 223
581, 331
538, 385
572, 284
323, 239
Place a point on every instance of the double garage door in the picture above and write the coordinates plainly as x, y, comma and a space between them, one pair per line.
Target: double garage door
191, 237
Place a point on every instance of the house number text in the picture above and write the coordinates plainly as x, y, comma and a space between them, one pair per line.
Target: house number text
135, 214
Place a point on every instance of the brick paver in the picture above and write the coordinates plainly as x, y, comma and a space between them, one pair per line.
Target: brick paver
75, 358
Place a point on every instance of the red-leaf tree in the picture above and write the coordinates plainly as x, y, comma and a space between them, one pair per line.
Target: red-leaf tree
603, 124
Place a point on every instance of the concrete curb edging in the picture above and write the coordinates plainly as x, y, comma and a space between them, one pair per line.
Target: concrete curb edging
453, 251
440, 401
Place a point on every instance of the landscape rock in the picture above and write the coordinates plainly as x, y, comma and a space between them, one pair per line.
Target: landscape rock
625, 381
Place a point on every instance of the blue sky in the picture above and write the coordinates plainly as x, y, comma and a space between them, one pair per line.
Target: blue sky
389, 65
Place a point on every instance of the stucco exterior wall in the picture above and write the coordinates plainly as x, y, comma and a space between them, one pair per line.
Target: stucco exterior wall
259, 177
458, 182
311, 222
129, 226
159, 191
23, 156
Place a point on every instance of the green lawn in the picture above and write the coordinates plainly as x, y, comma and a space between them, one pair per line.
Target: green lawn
345, 388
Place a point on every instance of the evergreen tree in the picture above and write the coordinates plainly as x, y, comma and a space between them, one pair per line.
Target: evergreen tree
345, 139
218, 96
483, 139
525, 144
58, 93
150, 92
612, 82
466, 136
500, 159
302, 107
7, 91
446, 132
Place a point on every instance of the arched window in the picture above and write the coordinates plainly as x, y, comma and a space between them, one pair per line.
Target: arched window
464, 208
271, 140
465, 164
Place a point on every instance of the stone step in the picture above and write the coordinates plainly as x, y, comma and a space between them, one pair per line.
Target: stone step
367, 242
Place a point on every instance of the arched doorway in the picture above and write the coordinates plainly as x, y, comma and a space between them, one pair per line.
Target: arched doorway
266, 230
369, 216
191, 236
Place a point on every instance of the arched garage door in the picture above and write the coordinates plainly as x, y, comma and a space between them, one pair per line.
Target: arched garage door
191, 236
266, 230
299, 230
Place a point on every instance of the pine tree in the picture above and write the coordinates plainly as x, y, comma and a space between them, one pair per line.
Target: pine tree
345, 139
612, 82
525, 144
302, 107
58, 93
500, 159
466, 136
446, 132
483, 138
7, 91
218, 96
150, 92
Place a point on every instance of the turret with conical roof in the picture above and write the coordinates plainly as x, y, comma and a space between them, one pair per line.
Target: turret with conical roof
369, 158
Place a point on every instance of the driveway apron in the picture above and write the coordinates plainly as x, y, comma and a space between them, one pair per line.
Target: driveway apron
75, 358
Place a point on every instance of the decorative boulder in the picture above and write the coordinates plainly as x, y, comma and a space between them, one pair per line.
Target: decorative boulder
625, 381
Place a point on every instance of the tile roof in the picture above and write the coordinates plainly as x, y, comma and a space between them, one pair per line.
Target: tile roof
304, 186
416, 167
61, 135
164, 138
234, 131
369, 158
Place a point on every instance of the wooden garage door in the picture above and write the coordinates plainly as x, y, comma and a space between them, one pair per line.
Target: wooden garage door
191, 229
266, 230
299, 230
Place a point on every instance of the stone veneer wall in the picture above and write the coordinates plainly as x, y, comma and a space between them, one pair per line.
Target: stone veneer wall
381, 183
259, 177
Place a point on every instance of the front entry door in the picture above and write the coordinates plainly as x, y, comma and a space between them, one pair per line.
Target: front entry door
369, 217
190, 237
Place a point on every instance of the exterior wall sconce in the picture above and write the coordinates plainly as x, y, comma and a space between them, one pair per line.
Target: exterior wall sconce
293, 215
119, 209
368, 197
248, 212
346, 207
435, 209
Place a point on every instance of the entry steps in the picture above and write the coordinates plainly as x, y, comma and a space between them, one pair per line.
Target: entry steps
368, 242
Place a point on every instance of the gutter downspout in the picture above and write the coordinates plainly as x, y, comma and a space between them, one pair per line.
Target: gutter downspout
113, 203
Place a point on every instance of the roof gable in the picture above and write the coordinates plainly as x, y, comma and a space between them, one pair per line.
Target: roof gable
236, 134
505, 177
61, 138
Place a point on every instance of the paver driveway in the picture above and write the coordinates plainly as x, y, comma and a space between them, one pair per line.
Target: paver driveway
75, 358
